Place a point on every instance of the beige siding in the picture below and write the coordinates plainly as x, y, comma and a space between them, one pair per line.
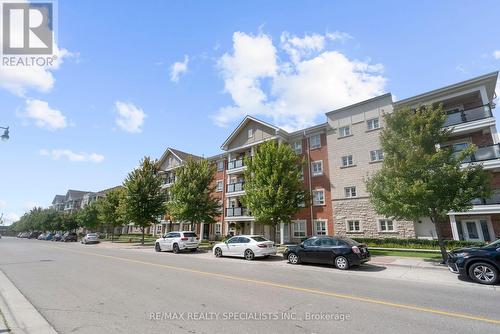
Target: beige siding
260, 132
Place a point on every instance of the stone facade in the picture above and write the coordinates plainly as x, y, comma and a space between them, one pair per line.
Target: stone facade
362, 210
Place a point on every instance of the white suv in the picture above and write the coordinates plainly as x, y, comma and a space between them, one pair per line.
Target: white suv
177, 241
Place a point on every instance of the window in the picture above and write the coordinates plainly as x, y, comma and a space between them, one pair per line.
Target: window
344, 131
376, 155
220, 165
315, 141
243, 240
353, 226
297, 146
320, 227
250, 133
311, 242
233, 240
318, 197
350, 192
347, 161
386, 225
219, 185
218, 228
317, 167
158, 228
302, 174
372, 124
299, 228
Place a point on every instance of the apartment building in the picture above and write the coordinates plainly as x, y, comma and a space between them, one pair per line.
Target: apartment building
354, 153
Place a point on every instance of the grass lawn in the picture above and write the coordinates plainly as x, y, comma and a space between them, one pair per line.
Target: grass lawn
422, 255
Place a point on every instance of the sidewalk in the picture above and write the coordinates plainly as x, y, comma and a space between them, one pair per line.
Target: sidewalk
411, 262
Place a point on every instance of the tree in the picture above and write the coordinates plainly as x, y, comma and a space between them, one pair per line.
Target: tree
110, 209
144, 199
69, 221
88, 217
419, 178
273, 186
190, 197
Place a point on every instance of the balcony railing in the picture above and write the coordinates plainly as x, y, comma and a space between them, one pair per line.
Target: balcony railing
234, 187
235, 164
494, 199
484, 154
468, 115
170, 180
237, 212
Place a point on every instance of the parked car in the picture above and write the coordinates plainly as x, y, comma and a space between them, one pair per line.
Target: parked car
340, 251
247, 246
42, 236
69, 236
57, 237
481, 264
49, 236
90, 238
34, 235
177, 241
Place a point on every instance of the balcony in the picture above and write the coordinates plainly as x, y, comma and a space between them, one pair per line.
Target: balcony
238, 212
235, 187
235, 164
488, 156
464, 121
493, 200
168, 181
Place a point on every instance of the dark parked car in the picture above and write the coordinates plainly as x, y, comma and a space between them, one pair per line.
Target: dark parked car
34, 235
340, 251
49, 236
481, 264
69, 236
57, 237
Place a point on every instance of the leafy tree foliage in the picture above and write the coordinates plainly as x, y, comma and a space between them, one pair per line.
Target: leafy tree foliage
420, 177
111, 209
88, 217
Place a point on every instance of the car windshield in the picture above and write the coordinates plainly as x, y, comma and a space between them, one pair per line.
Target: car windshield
259, 239
494, 244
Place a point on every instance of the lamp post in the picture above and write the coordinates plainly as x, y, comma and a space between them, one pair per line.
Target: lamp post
5, 135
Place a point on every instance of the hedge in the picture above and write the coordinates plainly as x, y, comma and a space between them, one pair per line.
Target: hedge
416, 243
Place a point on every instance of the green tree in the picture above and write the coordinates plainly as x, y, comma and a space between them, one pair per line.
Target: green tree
88, 217
273, 187
190, 197
419, 178
110, 209
68, 221
144, 199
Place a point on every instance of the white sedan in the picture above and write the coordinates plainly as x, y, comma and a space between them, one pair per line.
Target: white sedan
247, 246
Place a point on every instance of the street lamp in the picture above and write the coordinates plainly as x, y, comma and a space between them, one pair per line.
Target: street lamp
5, 135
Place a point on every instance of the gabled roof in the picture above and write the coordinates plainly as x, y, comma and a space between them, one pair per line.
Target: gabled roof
105, 191
182, 156
75, 194
357, 104
58, 199
243, 123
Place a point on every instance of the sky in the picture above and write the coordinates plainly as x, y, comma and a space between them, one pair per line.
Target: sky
133, 78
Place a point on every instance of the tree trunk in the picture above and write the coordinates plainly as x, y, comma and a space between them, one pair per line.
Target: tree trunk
273, 233
112, 233
142, 240
442, 246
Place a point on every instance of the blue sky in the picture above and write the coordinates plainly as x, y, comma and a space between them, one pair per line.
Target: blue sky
116, 97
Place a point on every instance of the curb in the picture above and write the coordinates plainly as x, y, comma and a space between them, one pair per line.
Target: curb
406, 266
20, 315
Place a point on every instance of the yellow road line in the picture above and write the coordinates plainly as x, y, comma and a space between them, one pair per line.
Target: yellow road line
296, 288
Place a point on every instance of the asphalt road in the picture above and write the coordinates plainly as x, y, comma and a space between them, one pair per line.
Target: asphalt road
94, 289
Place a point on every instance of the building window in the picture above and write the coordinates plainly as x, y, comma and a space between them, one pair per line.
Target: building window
353, 226
373, 124
347, 161
301, 174
220, 165
299, 229
318, 197
320, 227
218, 228
315, 141
386, 225
219, 185
376, 155
250, 133
297, 146
317, 167
158, 228
350, 192
344, 131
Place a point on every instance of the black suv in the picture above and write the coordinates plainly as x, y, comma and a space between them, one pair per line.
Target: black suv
481, 264
69, 236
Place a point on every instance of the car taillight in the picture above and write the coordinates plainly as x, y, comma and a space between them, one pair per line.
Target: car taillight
262, 245
184, 238
356, 250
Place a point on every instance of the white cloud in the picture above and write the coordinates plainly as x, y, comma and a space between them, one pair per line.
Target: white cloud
293, 93
178, 68
10, 218
44, 116
57, 154
130, 117
496, 54
30, 205
3, 204
338, 36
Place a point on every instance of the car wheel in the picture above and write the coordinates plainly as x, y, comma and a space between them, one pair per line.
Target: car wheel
175, 248
293, 258
157, 247
249, 255
483, 273
341, 263
218, 252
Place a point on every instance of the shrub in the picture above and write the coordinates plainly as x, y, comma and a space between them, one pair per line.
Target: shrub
415, 243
